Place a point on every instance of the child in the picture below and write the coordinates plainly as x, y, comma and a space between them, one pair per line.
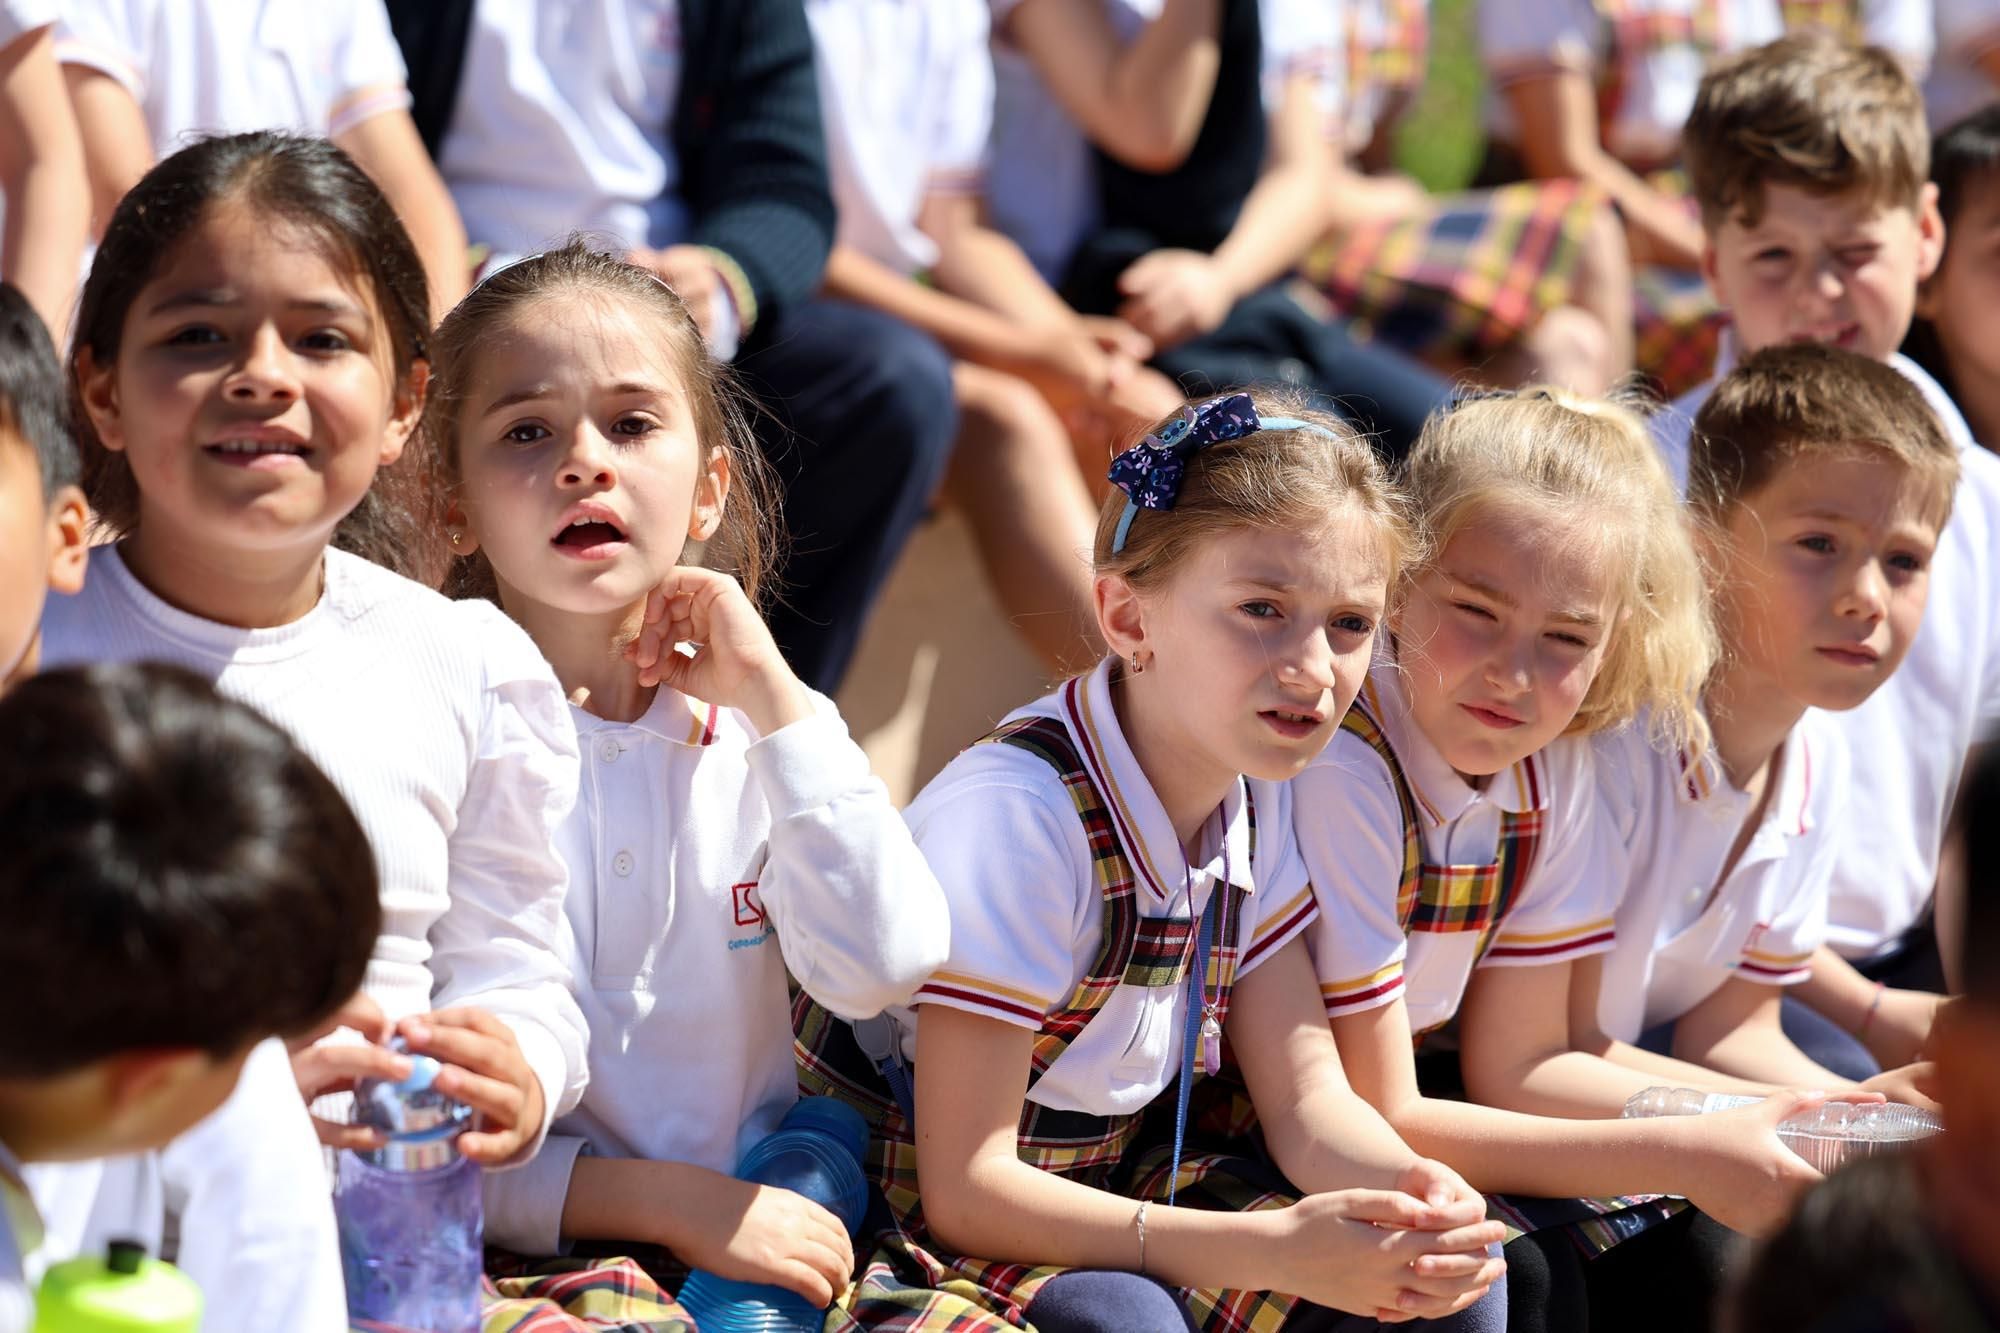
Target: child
1195, 248
42, 185
588, 438
145, 74
1912, 1240
248, 359
169, 845
907, 93
1125, 889
1824, 482
43, 519
1953, 335
1453, 841
1809, 161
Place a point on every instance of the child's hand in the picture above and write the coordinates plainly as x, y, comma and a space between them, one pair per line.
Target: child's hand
1744, 1175
1901, 1025
736, 663
323, 1067
1174, 295
1912, 1085
484, 1068
1387, 1254
759, 1233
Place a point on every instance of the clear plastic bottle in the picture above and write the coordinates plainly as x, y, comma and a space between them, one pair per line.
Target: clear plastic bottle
409, 1211
1825, 1135
815, 1151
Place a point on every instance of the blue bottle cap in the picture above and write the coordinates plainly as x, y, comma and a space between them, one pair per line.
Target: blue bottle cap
832, 1117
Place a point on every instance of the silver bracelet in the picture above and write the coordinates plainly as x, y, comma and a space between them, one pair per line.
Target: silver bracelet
1139, 1221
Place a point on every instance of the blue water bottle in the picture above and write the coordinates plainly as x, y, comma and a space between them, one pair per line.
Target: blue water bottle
409, 1211
815, 1151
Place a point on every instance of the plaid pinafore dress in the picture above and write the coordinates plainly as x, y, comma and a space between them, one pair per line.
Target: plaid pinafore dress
907, 1280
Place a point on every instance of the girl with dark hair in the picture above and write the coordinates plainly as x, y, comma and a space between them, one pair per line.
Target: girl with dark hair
248, 374
1956, 334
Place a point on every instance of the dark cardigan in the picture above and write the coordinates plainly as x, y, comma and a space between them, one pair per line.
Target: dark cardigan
746, 130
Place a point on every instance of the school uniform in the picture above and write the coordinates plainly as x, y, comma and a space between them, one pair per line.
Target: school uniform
697, 122
18, 18
1075, 917
1909, 739
1422, 878
1684, 928
225, 66
259, 1239
707, 864
1967, 32
1901, 27
445, 732
906, 89
20, 1235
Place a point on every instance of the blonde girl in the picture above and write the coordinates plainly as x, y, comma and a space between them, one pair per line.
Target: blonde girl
1125, 893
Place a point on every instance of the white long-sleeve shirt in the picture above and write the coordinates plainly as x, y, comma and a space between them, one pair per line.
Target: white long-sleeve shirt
706, 860
447, 734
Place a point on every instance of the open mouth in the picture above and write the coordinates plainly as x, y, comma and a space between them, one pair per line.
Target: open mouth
590, 534
252, 453
1290, 724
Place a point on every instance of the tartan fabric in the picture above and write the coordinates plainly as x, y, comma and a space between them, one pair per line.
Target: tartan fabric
1677, 328
1468, 278
908, 1282
1363, 724
1842, 18
1475, 899
1392, 50
576, 1296
1631, 33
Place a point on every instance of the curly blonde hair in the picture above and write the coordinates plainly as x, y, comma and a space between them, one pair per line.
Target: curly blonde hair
1590, 461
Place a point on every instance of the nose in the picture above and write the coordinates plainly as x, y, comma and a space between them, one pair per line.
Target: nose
265, 372
1309, 664
1510, 666
1826, 286
1865, 596
588, 461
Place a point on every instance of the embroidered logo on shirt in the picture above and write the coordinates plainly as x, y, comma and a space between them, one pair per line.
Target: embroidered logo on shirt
749, 912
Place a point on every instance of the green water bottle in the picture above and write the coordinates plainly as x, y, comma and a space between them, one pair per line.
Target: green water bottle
120, 1291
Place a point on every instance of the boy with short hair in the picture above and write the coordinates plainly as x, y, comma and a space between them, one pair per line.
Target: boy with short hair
185, 884
1810, 162
43, 518
1822, 483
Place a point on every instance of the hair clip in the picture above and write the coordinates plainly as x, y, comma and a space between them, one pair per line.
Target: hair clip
1151, 471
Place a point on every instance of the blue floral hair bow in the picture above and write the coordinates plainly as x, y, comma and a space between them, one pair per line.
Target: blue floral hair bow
1150, 472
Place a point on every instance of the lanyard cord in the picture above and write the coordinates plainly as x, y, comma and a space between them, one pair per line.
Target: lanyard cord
1197, 1015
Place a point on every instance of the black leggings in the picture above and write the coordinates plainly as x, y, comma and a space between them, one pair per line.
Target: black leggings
1668, 1279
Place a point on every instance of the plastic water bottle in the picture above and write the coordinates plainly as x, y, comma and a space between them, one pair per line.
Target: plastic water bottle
120, 1291
1825, 1135
410, 1232
815, 1151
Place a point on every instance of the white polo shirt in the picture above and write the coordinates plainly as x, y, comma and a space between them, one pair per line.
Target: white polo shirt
1967, 32
706, 862
1002, 832
20, 1236
1909, 739
562, 124
1681, 933
1654, 51
906, 87
225, 66
259, 1241
1351, 833
19, 17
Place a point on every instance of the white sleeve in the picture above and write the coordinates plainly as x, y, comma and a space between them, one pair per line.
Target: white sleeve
962, 131
19, 17
523, 1208
1569, 908
1904, 28
368, 68
1350, 829
113, 37
250, 1187
495, 947
860, 917
1303, 38
1527, 36
1014, 863
1283, 906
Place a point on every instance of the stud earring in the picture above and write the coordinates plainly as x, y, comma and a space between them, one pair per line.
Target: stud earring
1138, 663
456, 538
